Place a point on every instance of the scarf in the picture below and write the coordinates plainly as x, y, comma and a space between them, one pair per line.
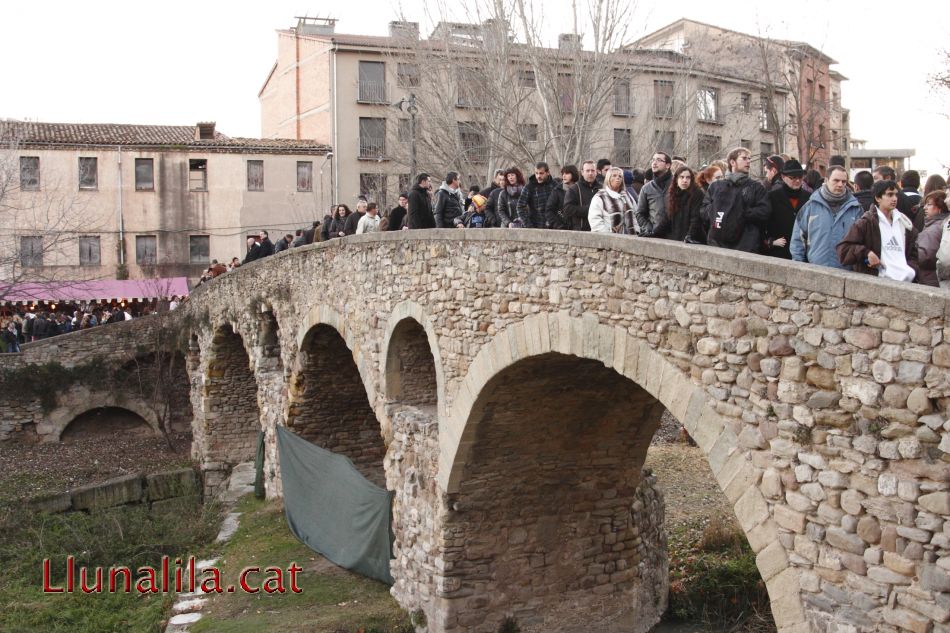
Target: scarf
833, 201
663, 182
794, 195
514, 190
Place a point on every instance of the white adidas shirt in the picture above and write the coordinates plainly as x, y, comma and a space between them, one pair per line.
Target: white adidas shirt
893, 259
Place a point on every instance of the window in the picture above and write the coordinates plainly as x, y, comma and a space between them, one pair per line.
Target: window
765, 150
404, 180
470, 94
89, 254
31, 251
663, 98
526, 79
146, 250
621, 147
709, 147
144, 174
372, 79
29, 173
765, 116
822, 94
197, 174
403, 131
199, 249
88, 173
373, 186
623, 104
860, 163
472, 140
565, 92
372, 138
530, 132
255, 175
407, 75
707, 105
745, 103
664, 141
304, 175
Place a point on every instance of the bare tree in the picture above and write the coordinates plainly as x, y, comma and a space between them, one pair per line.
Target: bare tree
941, 79
40, 224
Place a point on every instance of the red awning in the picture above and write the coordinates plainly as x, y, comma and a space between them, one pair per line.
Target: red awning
102, 290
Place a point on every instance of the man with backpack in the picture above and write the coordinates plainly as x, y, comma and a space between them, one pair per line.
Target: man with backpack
737, 206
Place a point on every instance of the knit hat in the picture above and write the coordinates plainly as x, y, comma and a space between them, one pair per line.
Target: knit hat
627, 177
479, 201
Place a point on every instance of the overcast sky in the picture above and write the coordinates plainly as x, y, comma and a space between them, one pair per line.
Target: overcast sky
178, 62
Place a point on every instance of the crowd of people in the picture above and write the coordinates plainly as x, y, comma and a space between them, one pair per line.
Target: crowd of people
876, 224
27, 326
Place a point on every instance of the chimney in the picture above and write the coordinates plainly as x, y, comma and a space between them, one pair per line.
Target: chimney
315, 26
569, 42
204, 131
404, 30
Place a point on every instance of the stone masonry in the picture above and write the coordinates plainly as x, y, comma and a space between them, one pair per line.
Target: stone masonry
820, 398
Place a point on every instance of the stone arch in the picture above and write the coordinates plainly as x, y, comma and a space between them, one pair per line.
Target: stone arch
614, 348
230, 411
79, 401
271, 381
329, 404
408, 330
108, 421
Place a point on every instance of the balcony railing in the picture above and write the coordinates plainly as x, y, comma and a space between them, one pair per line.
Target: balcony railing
372, 148
476, 155
622, 157
622, 105
372, 91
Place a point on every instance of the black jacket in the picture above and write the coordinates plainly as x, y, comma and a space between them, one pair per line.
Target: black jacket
420, 209
685, 222
577, 203
352, 221
751, 201
782, 220
253, 253
448, 208
865, 197
281, 245
491, 214
507, 207
534, 199
267, 247
396, 217
552, 210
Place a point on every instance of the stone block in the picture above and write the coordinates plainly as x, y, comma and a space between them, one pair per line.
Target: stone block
176, 483
898, 563
932, 578
114, 492
789, 519
907, 620
52, 503
771, 561
852, 543
937, 503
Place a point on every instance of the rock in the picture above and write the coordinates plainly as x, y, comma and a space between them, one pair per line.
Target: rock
896, 396
941, 355
909, 447
909, 372
933, 422
792, 369
865, 391
899, 564
907, 620
821, 399
707, 346
837, 537
821, 378
882, 371
869, 529
851, 502
770, 366
918, 402
863, 337
753, 361
887, 576
739, 328
937, 503
932, 578
779, 346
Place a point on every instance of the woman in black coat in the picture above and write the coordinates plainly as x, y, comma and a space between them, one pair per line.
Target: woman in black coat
339, 220
507, 209
682, 221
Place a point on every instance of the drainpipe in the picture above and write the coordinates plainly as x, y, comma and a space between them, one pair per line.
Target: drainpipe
297, 83
336, 145
118, 150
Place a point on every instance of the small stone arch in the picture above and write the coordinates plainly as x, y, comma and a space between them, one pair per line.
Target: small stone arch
634, 359
408, 329
78, 401
329, 403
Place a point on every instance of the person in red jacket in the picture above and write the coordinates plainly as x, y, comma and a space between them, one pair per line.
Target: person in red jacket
883, 241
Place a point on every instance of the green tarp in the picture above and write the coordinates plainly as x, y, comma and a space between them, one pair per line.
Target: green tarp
333, 509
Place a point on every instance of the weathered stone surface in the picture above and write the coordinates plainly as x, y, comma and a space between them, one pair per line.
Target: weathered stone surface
177, 483
779, 346
847, 542
907, 620
918, 402
869, 530
941, 355
937, 503
114, 492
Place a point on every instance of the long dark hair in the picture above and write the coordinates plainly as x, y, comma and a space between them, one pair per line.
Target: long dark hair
346, 211
519, 177
672, 200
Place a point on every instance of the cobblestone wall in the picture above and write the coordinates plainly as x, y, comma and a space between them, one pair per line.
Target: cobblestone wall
819, 397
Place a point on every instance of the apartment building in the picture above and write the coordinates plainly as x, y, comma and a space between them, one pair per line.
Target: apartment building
800, 93
483, 101
90, 201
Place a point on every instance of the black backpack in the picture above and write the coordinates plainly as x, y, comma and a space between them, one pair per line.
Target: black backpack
727, 223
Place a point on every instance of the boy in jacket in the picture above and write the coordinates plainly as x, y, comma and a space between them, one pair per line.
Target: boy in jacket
883, 241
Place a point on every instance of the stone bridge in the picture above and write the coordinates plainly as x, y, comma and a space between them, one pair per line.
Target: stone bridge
506, 386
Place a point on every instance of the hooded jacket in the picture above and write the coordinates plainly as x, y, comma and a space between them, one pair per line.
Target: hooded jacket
864, 237
534, 199
686, 222
751, 201
448, 207
651, 204
420, 209
928, 243
817, 230
577, 204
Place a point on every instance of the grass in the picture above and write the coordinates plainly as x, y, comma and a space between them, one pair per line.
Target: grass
131, 536
332, 600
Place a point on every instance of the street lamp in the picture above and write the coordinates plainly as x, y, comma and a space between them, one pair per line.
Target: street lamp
412, 109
